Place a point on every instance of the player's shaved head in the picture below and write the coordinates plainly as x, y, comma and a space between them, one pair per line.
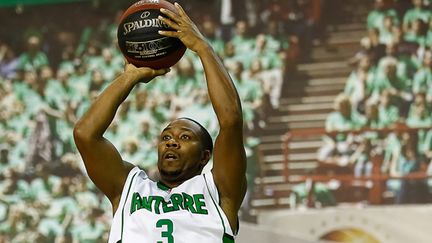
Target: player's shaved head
205, 135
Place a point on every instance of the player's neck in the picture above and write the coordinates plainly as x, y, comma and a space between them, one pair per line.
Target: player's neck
166, 185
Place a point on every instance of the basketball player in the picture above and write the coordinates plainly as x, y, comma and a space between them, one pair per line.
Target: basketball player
185, 205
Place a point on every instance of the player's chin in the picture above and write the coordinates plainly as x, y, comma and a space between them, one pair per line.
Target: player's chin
170, 174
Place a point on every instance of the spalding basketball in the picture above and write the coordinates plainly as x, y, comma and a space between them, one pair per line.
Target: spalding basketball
139, 40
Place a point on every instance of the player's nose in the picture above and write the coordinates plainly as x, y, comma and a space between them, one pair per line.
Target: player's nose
172, 143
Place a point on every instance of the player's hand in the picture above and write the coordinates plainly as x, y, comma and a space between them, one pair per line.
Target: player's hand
143, 74
184, 28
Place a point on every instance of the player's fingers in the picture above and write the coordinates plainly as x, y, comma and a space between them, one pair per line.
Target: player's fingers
162, 71
126, 61
127, 64
181, 11
169, 22
169, 33
170, 14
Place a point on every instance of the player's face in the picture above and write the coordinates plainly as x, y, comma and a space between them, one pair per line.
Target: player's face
180, 151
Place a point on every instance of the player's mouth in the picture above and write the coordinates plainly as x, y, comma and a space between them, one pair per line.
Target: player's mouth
171, 156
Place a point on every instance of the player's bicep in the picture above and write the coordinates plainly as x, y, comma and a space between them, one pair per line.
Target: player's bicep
104, 166
229, 165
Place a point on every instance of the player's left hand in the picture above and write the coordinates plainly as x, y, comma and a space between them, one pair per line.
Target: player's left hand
184, 28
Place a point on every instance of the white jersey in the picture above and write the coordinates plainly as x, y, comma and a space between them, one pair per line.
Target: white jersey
150, 212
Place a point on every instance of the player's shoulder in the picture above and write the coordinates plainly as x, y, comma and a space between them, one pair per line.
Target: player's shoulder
135, 173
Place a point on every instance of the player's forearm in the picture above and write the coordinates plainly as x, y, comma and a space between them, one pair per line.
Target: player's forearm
221, 89
96, 120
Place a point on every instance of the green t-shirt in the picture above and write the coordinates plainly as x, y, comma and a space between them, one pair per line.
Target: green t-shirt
88, 232
412, 37
269, 59
110, 70
352, 84
429, 38
43, 188
385, 36
81, 83
275, 44
242, 45
217, 44
249, 92
388, 115
57, 95
415, 13
32, 63
337, 122
50, 227
382, 83
375, 18
422, 80
405, 67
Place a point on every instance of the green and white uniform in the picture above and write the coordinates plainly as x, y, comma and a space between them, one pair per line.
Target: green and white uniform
150, 212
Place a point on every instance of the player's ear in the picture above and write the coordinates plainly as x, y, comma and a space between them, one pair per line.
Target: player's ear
205, 157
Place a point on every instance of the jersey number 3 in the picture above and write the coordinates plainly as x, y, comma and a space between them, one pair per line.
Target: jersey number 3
169, 229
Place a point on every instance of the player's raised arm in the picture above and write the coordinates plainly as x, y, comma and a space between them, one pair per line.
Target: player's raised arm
103, 163
229, 161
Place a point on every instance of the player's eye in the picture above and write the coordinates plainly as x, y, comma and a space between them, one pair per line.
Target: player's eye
185, 137
166, 137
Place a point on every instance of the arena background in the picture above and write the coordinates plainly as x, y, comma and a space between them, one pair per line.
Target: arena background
336, 97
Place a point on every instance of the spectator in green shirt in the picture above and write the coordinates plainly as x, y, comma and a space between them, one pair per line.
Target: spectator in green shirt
229, 54
242, 41
209, 31
417, 12
34, 59
110, 66
420, 116
344, 118
360, 83
429, 34
90, 229
404, 63
388, 112
404, 163
80, 80
362, 158
375, 18
269, 58
417, 33
399, 88
423, 77
250, 93
386, 33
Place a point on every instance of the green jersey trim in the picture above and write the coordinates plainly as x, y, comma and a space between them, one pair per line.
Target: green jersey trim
162, 186
227, 238
127, 196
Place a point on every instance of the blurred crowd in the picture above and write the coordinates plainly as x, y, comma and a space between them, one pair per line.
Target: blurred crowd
53, 68
389, 88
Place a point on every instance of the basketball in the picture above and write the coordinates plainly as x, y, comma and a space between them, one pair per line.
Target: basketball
138, 37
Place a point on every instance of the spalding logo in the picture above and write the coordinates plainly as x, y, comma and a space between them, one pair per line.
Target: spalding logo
145, 14
143, 23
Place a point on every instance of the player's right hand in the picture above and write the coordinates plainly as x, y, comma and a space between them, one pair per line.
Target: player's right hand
143, 74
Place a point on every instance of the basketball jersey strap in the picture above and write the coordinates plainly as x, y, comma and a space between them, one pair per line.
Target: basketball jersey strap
128, 184
214, 194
